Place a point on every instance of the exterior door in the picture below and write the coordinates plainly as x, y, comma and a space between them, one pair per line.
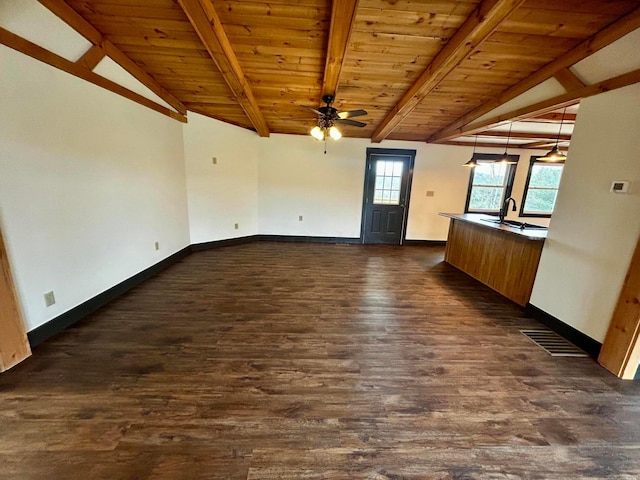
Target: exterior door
387, 185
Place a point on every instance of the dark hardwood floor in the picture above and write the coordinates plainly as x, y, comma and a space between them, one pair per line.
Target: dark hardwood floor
312, 361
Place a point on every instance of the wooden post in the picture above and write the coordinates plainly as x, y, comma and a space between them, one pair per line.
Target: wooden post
14, 345
620, 352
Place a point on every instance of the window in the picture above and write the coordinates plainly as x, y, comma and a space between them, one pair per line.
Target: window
490, 183
388, 179
541, 189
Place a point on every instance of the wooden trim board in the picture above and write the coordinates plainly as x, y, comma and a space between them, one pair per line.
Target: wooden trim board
621, 349
26, 47
14, 346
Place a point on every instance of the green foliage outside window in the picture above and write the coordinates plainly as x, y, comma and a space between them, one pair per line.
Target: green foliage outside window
543, 186
487, 190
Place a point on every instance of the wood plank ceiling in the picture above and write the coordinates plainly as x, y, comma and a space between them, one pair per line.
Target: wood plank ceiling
416, 66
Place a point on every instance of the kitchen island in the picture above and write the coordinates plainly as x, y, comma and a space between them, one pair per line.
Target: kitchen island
502, 257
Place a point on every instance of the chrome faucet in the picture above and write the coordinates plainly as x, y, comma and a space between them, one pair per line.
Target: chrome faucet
505, 208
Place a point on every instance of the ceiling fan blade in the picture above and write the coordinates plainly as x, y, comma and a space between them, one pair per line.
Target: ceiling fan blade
312, 109
355, 123
352, 113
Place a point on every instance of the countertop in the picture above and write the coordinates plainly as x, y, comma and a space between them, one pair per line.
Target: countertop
485, 221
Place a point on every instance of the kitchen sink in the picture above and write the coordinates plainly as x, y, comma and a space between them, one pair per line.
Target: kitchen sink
518, 224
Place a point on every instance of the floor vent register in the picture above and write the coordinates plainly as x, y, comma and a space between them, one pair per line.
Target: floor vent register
553, 344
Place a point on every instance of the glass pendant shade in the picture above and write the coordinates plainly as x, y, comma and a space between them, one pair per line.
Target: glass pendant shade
335, 133
317, 133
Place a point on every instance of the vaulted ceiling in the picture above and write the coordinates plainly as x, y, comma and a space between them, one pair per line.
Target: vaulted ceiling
424, 70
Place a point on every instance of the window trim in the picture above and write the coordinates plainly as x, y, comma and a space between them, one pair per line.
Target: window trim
511, 174
532, 161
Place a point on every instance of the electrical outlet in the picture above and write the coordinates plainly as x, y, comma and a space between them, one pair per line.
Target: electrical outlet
49, 299
214, 160
157, 245
236, 226
430, 193
299, 218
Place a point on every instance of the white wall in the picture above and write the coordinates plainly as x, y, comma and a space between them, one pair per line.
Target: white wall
226, 193
594, 231
296, 178
88, 182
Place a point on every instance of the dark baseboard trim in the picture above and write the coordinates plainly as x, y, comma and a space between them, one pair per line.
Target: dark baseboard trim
585, 342
61, 322
73, 316
197, 247
425, 243
304, 239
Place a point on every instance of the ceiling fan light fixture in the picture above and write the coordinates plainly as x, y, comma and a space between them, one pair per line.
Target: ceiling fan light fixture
317, 133
335, 133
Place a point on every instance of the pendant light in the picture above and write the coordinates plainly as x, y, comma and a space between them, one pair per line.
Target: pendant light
555, 155
472, 163
505, 159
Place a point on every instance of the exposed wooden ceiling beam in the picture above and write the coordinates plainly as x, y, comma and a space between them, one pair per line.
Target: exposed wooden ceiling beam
486, 144
540, 108
72, 18
22, 45
552, 117
343, 13
476, 28
604, 37
207, 25
76, 21
541, 144
92, 57
524, 135
568, 79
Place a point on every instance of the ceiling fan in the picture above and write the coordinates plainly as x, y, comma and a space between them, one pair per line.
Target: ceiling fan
329, 116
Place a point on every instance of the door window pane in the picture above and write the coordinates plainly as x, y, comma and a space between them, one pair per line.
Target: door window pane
388, 181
